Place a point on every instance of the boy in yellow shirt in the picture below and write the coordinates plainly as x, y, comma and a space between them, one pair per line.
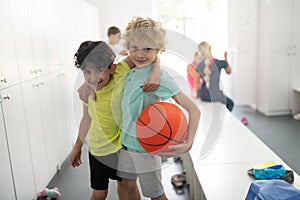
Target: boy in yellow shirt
95, 59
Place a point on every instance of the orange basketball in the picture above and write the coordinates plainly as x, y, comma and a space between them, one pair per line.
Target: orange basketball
159, 125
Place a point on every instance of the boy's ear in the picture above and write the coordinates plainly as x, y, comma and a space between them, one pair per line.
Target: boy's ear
112, 68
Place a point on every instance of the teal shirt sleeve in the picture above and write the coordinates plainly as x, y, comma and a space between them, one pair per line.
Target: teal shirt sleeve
167, 88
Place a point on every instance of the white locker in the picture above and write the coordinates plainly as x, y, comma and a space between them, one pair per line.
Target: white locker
18, 142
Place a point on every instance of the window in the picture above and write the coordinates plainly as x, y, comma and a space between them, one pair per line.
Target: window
199, 20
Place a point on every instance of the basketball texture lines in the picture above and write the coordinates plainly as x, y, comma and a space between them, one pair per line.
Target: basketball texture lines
160, 125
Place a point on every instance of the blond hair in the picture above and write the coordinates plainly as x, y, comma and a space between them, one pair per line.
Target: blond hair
145, 29
205, 49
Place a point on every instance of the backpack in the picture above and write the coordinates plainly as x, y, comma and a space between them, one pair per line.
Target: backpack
274, 189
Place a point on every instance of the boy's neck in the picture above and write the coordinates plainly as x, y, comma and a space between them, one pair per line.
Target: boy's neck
143, 66
112, 43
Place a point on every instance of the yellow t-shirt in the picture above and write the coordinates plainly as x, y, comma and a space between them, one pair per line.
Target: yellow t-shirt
105, 112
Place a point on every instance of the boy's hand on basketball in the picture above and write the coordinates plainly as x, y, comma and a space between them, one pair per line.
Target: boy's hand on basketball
153, 80
176, 150
85, 91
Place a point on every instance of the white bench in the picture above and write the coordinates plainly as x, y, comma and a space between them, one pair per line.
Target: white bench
221, 172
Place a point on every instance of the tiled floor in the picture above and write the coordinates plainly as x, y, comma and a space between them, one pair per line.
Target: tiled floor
73, 183
280, 133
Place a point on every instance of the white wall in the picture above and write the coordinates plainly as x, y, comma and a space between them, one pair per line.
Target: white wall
88, 29
119, 13
243, 42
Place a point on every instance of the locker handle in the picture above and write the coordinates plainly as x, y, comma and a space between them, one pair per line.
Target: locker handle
3, 80
6, 97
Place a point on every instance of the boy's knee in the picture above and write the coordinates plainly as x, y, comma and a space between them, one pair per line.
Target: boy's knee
99, 194
129, 186
120, 186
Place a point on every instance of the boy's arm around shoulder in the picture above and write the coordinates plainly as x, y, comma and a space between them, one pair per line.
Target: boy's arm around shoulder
85, 91
152, 82
129, 62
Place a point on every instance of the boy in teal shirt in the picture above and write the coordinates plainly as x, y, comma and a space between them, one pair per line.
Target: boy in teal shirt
145, 38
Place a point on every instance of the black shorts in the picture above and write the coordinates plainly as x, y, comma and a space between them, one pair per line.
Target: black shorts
103, 168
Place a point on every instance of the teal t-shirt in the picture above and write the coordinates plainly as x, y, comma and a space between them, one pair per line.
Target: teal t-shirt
135, 100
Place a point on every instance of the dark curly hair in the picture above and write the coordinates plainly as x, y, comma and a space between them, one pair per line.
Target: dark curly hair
97, 53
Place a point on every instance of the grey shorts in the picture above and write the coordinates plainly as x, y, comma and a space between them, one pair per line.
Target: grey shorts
145, 166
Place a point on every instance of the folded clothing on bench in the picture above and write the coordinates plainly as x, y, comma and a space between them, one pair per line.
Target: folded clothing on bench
270, 170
